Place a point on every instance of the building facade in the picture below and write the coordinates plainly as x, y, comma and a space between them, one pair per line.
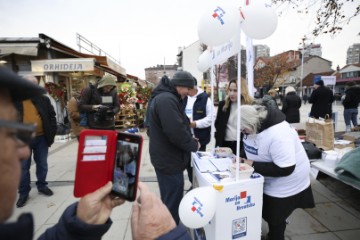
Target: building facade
312, 50
261, 51
154, 74
353, 54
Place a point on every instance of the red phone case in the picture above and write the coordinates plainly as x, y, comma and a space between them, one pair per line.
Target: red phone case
95, 161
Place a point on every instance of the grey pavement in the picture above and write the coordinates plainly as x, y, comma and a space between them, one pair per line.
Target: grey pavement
335, 217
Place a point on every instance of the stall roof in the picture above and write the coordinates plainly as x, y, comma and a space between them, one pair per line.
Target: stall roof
30, 47
102, 62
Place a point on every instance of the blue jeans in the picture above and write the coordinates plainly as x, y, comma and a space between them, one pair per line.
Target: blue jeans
39, 149
171, 191
350, 115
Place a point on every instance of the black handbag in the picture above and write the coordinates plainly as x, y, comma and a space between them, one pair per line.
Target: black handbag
312, 151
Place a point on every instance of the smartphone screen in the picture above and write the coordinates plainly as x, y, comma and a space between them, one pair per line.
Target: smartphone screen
127, 165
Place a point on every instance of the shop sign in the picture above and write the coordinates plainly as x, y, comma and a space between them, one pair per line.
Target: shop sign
63, 65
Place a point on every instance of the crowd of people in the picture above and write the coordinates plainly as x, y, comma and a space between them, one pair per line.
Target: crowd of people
179, 118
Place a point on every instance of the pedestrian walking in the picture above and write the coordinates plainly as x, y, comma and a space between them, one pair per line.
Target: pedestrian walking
269, 99
39, 111
351, 103
291, 105
321, 99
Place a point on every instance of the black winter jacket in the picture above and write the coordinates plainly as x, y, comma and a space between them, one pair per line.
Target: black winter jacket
321, 99
69, 227
352, 97
291, 107
221, 121
171, 141
47, 114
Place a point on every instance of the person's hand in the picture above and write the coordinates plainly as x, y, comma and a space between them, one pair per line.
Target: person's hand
150, 218
249, 162
193, 124
96, 207
96, 107
199, 145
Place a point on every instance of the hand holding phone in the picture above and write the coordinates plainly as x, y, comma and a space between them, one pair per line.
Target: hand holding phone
106, 155
127, 165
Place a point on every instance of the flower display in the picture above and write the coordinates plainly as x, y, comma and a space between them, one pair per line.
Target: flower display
127, 96
56, 91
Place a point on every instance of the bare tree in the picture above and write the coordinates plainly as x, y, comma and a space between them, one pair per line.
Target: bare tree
268, 76
330, 16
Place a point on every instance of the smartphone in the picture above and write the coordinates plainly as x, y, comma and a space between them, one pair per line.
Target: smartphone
108, 155
127, 165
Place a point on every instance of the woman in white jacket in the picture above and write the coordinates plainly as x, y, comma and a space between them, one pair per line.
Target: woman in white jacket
274, 149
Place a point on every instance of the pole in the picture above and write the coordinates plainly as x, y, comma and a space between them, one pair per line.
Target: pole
237, 163
302, 66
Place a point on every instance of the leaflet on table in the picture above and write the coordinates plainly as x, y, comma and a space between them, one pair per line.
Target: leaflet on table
221, 164
221, 176
204, 165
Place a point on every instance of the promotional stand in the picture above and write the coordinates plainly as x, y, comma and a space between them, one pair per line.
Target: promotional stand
238, 207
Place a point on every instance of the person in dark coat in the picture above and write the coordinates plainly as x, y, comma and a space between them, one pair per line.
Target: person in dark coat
87, 219
305, 98
351, 104
321, 99
39, 111
291, 105
101, 103
269, 99
171, 141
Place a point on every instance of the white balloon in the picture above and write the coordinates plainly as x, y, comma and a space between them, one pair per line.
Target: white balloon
218, 24
204, 61
258, 19
198, 207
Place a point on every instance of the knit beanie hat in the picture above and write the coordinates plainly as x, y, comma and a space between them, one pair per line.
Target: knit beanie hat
183, 78
106, 80
319, 82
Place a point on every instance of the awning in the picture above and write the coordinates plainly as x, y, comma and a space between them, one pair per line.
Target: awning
28, 49
63, 65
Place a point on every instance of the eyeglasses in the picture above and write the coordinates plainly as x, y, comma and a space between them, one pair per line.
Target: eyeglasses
24, 132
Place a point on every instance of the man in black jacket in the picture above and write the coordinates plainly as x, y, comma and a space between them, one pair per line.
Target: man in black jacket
351, 104
321, 99
39, 111
171, 141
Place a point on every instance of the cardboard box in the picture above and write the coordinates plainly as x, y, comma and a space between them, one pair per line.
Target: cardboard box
340, 144
351, 136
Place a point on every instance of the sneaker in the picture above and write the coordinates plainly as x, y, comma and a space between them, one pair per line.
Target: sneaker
46, 191
22, 201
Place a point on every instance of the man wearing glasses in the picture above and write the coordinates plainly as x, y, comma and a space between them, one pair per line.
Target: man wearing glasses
39, 111
87, 219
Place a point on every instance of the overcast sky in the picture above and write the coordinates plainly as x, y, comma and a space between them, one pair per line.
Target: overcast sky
144, 33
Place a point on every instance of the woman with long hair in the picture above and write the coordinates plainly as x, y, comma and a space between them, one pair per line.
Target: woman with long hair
226, 118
